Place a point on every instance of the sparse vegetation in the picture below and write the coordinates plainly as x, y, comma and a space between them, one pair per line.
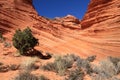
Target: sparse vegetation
49, 67
91, 58
60, 65
26, 76
76, 74
14, 67
107, 69
42, 77
85, 64
71, 67
29, 64
24, 41
63, 64
29, 76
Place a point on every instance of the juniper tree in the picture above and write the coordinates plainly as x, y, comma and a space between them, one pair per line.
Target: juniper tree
24, 41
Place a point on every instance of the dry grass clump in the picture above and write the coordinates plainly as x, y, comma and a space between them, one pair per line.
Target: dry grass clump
42, 77
26, 76
29, 64
29, 76
107, 69
49, 67
60, 64
85, 64
63, 65
91, 58
76, 74
14, 67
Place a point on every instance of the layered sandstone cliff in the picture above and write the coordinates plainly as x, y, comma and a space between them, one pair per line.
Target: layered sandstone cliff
15, 13
102, 24
102, 12
97, 34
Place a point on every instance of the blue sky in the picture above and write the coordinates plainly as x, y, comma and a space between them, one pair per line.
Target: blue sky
60, 8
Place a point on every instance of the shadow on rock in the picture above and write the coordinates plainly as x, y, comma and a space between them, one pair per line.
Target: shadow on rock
37, 53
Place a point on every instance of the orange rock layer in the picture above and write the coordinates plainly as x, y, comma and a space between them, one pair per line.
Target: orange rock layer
98, 33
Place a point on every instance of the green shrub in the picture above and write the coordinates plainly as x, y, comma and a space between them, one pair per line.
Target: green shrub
24, 40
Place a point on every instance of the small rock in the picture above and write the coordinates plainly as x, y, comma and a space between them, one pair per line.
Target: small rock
5, 53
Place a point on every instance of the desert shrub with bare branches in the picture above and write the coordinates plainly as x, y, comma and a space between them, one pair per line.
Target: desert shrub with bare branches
107, 69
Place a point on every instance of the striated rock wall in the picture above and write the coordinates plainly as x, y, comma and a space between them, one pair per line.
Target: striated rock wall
98, 33
15, 14
101, 25
101, 12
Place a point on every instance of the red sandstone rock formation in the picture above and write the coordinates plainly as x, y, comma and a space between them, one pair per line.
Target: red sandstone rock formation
102, 12
102, 23
20, 14
68, 21
15, 14
100, 33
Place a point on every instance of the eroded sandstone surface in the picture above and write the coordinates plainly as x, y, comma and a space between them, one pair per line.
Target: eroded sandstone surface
98, 33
